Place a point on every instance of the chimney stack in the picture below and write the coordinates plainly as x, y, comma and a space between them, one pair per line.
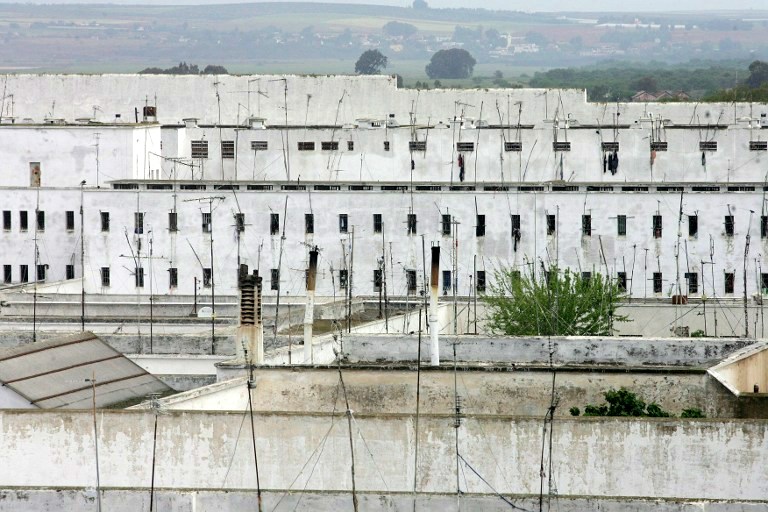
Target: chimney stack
250, 331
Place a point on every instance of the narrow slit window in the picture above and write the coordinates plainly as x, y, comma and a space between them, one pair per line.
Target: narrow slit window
657, 226
173, 277
728, 225
23, 221
445, 224
446, 282
480, 281
410, 276
274, 223
621, 281
206, 222
621, 225
138, 277
693, 282
693, 225
657, 282
105, 277
240, 222
70, 272
7, 274
378, 223
70, 220
207, 277
309, 223
551, 225
586, 225
764, 226
7, 220
104, 217
40, 220
173, 222
480, 225
343, 223
730, 281
343, 277
138, 223
24, 273
377, 281
274, 279
411, 223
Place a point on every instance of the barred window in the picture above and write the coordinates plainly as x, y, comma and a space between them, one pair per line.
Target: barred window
199, 149
227, 149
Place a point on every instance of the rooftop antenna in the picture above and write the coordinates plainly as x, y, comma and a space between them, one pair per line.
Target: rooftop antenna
286, 154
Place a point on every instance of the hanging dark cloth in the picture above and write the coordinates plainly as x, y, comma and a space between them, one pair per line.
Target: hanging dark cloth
413, 164
703, 158
614, 162
516, 237
605, 162
461, 168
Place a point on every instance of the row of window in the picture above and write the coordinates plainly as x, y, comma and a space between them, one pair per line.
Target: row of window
199, 148
447, 222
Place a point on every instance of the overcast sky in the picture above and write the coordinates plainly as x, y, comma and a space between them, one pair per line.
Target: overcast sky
540, 5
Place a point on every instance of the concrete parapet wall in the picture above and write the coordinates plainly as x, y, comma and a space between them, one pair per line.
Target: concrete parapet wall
532, 349
661, 458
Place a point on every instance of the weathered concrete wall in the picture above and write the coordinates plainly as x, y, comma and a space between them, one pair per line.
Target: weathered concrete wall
505, 391
707, 459
124, 500
630, 352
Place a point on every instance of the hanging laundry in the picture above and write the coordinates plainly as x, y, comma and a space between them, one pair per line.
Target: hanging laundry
703, 158
516, 237
615, 162
413, 164
605, 162
653, 156
461, 168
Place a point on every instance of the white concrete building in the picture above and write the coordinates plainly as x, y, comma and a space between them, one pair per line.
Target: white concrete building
188, 176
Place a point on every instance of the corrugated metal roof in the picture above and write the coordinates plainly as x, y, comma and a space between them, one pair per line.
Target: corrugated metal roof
57, 373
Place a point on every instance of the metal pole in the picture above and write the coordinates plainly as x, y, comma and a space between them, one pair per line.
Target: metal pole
213, 284
82, 262
96, 442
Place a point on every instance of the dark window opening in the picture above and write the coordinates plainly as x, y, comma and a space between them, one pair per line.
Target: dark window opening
41, 271
446, 224
730, 281
764, 283
104, 216
446, 282
657, 226
259, 145
729, 225
306, 146
693, 225
329, 146
480, 226
410, 278
586, 225
70, 219
561, 146
411, 223
24, 273
7, 220
657, 282
173, 222
70, 272
350, 145
386, 145
343, 276
7, 274
138, 223
274, 279
462, 147
417, 145
586, 277
693, 282
207, 277
343, 223
274, 223
621, 225
105, 278
551, 225
480, 281
199, 149
764, 226
206, 222
621, 281
378, 223
40, 220
139, 277
23, 221
377, 281
173, 277
227, 149
309, 223
239, 222
513, 146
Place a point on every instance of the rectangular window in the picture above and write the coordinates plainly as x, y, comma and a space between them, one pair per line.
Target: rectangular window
239, 222
343, 278
350, 145
758, 145
7, 220
343, 223
621, 225
41, 272
551, 225
659, 145
610, 146
586, 276
377, 281
480, 225
173, 222
7, 274
70, 220
693, 282
708, 145
586, 225
274, 279
561, 146
411, 223
417, 145
730, 281
693, 225
173, 277
207, 277
446, 282
621, 281
24, 273
445, 224
40, 220
104, 217
306, 146
513, 146
138, 277
410, 278
764, 226
206, 222
138, 223
199, 149
23, 223
105, 280
463, 147
386, 145
274, 223
70, 272
480, 281
657, 226
729, 225
764, 282
657, 282
227, 149
378, 223
516, 225
329, 146
259, 145
309, 223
